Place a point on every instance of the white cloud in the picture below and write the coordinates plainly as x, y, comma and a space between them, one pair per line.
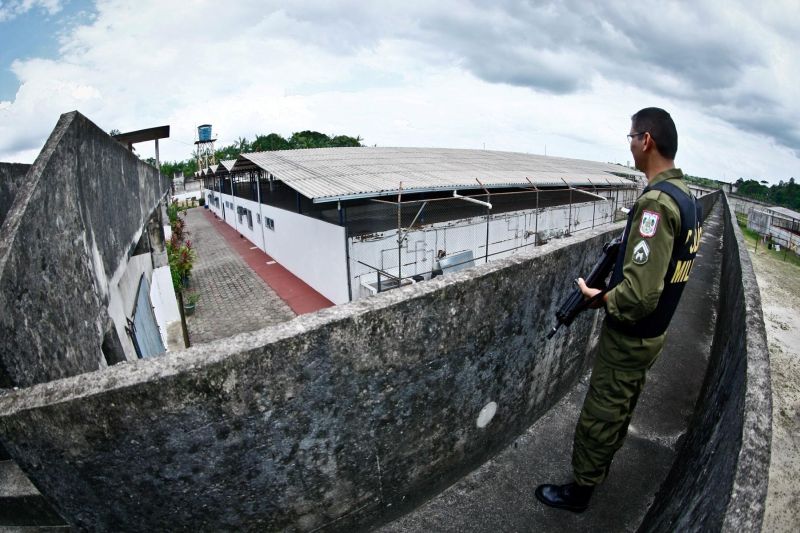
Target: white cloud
457, 74
11, 9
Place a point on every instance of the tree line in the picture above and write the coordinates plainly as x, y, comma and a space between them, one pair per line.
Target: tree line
784, 194
262, 143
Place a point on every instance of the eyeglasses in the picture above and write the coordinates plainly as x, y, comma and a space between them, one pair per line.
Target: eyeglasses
632, 135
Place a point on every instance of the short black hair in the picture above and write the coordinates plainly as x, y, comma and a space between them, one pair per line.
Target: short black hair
659, 124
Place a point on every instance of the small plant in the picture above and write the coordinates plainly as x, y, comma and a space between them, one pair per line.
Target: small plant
190, 302
190, 297
172, 213
178, 230
181, 258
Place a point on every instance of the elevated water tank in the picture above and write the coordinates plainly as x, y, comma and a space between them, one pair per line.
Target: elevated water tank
204, 132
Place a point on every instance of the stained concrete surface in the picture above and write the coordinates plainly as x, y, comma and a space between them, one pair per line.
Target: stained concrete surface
12, 176
498, 496
323, 420
76, 217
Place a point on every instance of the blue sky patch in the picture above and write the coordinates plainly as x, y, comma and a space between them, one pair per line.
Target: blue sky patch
36, 33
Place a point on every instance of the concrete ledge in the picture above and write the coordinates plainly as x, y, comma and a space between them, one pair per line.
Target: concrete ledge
334, 418
719, 479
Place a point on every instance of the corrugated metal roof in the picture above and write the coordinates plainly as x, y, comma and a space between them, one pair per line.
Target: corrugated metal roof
221, 168
785, 212
226, 165
329, 174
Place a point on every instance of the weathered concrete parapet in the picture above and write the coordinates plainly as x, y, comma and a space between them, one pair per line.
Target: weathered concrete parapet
74, 219
12, 175
333, 418
719, 479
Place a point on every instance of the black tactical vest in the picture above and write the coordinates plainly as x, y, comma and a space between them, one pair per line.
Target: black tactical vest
684, 249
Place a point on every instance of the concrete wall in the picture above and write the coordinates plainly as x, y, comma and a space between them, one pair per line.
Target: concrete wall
743, 205
67, 237
719, 478
337, 417
12, 175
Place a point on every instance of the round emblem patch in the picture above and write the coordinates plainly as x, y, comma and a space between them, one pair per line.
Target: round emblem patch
649, 223
641, 253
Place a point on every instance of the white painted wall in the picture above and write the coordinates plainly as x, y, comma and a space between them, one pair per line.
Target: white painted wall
165, 303
309, 248
186, 195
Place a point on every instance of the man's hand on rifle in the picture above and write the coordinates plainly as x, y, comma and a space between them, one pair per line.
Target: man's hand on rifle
590, 293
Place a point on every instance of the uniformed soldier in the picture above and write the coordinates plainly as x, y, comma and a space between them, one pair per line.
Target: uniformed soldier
659, 246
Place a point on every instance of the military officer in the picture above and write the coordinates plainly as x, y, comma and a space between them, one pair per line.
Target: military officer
659, 246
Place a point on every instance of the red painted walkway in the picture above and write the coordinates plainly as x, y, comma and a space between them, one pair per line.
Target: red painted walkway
297, 294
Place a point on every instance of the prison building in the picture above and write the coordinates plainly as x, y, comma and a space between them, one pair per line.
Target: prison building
779, 224
351, 222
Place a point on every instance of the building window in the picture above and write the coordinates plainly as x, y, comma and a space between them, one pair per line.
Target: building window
269, 223
249, 218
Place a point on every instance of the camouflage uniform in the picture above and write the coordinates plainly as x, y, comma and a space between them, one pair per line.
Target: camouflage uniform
623, 360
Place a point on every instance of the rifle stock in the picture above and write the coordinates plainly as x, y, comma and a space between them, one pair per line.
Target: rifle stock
575, 303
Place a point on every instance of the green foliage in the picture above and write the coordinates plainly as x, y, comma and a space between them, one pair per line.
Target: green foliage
273, 141
180, 254
703, 182
181, 257
187, 168
262, 143
755, 244
344, 140
269, 143
786, 194
190, 297
172, 213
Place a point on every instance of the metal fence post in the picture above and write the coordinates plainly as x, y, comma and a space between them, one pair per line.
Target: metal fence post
399, 234
488, 220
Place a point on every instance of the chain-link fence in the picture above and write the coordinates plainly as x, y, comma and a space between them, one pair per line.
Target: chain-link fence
393, 243
775, 231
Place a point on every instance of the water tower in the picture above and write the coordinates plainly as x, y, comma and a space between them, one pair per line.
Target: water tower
205, 147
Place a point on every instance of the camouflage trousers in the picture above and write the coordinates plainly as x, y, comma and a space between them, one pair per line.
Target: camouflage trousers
609, 403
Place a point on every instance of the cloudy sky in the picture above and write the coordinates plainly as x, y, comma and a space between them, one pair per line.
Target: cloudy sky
559, 77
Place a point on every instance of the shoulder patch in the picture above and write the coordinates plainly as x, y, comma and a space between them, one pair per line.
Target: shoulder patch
649, 223
641, 253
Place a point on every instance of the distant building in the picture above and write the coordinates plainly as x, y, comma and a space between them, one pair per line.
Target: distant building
780, 224
331, 215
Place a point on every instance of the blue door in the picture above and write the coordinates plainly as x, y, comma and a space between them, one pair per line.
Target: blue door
146, 336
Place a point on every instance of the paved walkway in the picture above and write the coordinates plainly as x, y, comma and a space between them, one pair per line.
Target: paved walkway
233, 299
297, 294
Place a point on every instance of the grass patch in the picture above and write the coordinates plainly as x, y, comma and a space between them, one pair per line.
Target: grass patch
751, 237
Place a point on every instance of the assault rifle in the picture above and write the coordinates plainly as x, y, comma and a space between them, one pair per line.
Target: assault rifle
575, 302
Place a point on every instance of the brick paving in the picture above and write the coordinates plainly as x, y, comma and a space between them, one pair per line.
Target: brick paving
233, 298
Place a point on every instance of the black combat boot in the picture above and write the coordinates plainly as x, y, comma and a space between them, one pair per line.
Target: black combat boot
572, 497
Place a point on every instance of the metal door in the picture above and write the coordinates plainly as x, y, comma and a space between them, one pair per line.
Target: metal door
146, 336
